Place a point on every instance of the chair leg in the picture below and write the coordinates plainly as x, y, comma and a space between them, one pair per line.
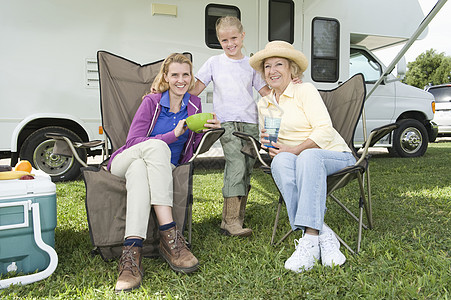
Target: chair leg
368, 187
190, 222
346, 209
359, 238
284, 237
364, 202
344, 244
276, 221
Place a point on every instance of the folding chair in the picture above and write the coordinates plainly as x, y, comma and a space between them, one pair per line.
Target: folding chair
345, 106
122, 86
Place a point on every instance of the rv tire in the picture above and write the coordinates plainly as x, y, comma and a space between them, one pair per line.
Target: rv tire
38, 150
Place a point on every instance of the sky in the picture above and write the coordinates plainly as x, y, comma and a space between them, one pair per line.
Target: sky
438, 36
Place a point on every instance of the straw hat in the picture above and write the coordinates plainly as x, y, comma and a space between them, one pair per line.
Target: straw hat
278, 49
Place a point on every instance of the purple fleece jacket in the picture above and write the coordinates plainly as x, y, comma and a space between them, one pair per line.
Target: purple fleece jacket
144, 122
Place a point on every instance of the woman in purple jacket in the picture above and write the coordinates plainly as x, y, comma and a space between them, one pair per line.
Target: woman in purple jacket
158, 140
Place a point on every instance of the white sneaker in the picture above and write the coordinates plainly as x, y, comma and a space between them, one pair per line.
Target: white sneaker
330, 248
303, 258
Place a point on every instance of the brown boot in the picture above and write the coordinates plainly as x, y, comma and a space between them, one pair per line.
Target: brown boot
230, 224
174, 249
243, 204
130, 269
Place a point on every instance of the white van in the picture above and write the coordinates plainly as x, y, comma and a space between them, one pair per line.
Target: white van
391, 102
442, 117
49, 80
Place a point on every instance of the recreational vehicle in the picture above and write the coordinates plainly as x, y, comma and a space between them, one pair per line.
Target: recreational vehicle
49, 80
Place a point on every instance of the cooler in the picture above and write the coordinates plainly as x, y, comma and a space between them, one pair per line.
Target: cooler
27, 228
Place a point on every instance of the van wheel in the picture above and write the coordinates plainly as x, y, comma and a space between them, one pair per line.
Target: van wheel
410, 139
38, 150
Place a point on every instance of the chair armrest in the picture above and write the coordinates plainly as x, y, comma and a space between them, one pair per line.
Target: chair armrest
61, 137
350, 169
208, 139
251, 147
379, 132
342, 177
65, 147
375, 135
246, 136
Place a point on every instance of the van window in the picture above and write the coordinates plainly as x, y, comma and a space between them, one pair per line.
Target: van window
281, 20
212, 13
442, 94
325, 49
361, 62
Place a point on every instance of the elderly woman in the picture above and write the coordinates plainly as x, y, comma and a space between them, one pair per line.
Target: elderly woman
158, 140
308, 149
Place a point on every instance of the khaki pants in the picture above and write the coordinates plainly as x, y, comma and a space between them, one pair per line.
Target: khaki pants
238, 167
147, 169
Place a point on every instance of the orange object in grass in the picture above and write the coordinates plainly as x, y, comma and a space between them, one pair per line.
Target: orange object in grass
23, 165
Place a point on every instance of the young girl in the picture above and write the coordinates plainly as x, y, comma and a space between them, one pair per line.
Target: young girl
234, 105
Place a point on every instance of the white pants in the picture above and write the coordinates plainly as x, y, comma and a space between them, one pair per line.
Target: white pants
147, 170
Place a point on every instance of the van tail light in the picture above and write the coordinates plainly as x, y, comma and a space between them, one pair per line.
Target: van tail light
433, 107
101, 128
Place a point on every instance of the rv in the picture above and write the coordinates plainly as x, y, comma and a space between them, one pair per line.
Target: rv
49, 79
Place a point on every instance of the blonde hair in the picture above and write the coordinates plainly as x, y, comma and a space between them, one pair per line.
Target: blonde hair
228, 21
295, 69
159, 84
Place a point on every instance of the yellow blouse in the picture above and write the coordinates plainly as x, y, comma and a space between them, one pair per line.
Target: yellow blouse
303, 115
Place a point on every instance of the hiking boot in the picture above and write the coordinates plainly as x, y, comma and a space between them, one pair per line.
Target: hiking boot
174, 249
230, 224
330, 248
304, 255
130, 269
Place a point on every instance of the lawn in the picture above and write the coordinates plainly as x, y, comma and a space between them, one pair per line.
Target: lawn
405, 256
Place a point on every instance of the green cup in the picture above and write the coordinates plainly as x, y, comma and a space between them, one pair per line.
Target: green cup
196, 122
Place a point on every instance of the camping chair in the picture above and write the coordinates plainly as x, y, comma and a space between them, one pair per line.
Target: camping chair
122, 86
345, 106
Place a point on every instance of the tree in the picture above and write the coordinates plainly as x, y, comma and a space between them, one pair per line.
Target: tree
429, 67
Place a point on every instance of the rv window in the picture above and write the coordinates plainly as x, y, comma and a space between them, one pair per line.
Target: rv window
212, 13
361, 62
325, 45
281, 20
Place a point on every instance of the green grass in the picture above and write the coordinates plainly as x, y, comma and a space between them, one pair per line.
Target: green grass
405, 256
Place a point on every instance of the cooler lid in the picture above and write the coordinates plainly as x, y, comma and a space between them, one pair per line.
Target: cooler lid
41, 184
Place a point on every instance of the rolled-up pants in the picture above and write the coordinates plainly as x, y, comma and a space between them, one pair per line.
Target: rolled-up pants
147, 170
238, 167
302, 181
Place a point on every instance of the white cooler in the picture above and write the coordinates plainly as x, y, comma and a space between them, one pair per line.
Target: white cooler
27, 229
